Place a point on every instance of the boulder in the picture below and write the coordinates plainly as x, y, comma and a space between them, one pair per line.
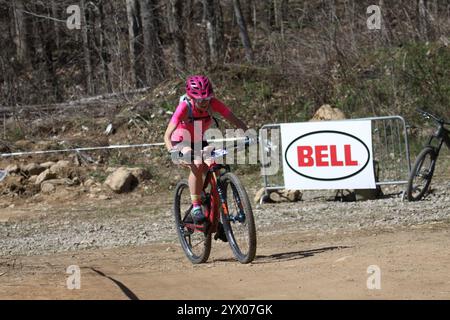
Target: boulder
32, 169
326, 112
140, 174
61, 164
12, 168
121, 181
32, 179
48, 164
13, 184
45, 175
63, 169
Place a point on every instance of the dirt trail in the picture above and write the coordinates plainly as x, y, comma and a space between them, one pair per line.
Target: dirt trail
414, 264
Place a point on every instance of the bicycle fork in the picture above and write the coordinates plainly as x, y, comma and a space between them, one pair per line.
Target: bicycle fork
241, 216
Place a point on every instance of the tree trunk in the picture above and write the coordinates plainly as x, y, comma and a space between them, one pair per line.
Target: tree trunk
214, 30
104, 56
176, 21
134, 32
154, 63
423, 20
243, 31
55, 24
247, 10
86, 50
20, 31
49, 46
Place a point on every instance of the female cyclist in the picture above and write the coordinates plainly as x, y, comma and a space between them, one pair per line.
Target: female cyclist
186, 129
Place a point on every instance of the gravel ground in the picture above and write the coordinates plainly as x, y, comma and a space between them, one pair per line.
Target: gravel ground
129, 223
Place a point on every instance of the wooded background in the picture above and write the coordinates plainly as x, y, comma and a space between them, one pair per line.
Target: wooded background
323, 44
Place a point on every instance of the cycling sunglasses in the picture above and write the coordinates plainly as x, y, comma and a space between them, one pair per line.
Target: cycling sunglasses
200, 101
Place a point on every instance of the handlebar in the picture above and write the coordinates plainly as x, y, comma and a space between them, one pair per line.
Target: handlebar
428, 115
177, 155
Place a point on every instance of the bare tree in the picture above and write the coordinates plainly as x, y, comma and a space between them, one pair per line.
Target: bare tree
214, 30
134, 32
153, 54
104, 55
176, 21
86, 49
55, 23
243, 30
20, 31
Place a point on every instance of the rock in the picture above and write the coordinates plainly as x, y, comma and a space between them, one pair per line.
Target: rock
63, 169
60, 182
121, 181
32, 169
45, 175
89, 183
140, 174
76, 181
13, 184
47, 187
23, 144
12, 168
48, 164
32, 179
46, 145
95, 189
61, 164
326, 112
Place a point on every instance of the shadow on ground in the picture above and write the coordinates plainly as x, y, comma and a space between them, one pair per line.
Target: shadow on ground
287, 256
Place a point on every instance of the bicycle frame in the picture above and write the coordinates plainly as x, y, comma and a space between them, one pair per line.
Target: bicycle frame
442, 135
214, 199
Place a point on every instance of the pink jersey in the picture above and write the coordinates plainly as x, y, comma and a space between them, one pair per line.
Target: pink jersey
194, 130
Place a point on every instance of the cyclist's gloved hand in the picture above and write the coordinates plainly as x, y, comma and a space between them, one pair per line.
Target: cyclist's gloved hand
175, 155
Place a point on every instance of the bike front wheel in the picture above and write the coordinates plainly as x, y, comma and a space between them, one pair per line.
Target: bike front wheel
421, 174
238, 222
196, 244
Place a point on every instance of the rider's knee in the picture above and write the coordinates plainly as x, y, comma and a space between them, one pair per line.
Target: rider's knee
197, 169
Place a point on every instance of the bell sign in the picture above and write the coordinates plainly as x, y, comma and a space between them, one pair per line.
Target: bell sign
328, 155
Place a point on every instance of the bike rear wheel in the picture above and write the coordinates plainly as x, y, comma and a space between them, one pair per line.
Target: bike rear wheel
421, 174
239, 223
196, 245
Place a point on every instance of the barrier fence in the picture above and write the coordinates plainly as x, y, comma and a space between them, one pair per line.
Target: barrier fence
390, 152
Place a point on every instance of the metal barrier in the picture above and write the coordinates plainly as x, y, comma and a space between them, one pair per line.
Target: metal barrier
389, 143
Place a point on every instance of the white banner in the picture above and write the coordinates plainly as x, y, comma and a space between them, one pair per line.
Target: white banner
328, 155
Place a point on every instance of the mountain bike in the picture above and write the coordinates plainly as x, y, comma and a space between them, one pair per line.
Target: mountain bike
423, 169
227, 209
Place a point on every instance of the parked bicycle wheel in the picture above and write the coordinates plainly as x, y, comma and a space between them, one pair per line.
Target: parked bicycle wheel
421, 174
196, 244
239, 224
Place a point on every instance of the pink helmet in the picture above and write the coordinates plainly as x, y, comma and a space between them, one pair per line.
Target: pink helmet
199, 87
